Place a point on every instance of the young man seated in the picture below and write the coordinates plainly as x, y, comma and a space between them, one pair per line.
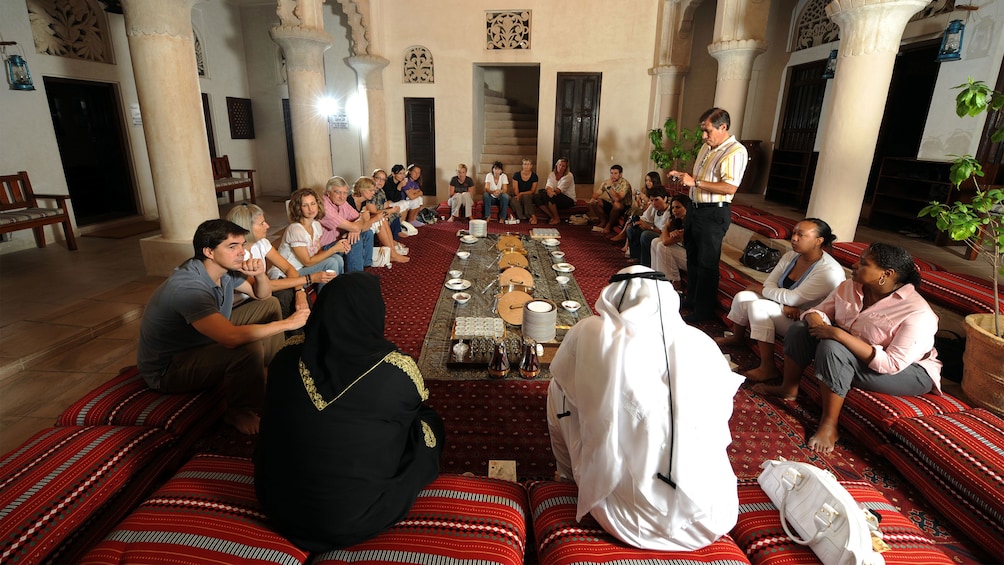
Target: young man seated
188, 340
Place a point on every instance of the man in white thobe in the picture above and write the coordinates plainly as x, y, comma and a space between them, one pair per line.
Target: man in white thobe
652, 476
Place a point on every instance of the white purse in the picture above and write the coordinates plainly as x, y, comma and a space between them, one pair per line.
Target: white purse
821, 512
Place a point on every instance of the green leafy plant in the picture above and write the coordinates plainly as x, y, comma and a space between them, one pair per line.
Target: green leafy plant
672, 147
979, 223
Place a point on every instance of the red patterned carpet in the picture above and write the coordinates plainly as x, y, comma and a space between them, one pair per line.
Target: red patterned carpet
506, 419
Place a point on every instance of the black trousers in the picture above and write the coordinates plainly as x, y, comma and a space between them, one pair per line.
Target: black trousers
703, 231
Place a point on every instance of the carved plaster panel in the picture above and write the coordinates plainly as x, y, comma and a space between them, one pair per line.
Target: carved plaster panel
814, 27
200, 55
76, 29
418, 65
507, 30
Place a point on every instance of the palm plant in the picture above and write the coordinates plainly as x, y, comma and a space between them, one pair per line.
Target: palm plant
978, 223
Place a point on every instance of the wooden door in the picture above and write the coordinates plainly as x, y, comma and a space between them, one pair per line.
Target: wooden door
208, 116
802, 105
576, 114
287, 121
420, 138
86, 118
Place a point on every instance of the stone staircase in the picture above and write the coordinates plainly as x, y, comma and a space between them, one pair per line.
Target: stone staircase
510, 135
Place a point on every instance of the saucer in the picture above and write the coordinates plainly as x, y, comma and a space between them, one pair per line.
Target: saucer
563, 267
550, 242
558, 254
469, 239
458, 284
571, 305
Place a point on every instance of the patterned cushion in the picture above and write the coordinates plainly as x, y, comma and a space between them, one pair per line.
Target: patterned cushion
847, 254
868, 415
986, 530
206, 513
759, 530
739, 210
965, 294
126, 400
730, 283
769, 225
965, 450
563, 541
28, 214
231, 181
62, 478
456, 519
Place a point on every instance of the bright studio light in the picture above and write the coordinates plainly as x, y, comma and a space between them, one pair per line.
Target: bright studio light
327, 106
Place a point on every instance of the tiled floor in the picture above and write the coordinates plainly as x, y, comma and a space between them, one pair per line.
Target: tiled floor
69, 320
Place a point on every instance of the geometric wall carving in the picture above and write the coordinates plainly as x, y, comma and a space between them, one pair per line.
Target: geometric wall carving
418, 65
509, 29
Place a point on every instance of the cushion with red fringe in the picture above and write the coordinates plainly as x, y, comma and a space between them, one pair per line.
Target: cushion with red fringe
965, 294
767, 225
563, 541
847, 254
759, 532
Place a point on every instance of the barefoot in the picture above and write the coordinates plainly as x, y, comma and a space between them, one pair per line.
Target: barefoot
761, 373
776, 390
398, 258
824, 439
619, 237
244, 420
452, 219
402, 235
554, 221
605, 231
728, 341
533, 219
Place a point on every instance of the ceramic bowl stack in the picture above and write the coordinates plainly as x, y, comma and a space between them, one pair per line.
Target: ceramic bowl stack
479, 228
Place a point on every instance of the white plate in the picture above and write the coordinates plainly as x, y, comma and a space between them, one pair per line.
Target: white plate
458, 284
558, 254
469, 239
563, 267
571, 305
551, 242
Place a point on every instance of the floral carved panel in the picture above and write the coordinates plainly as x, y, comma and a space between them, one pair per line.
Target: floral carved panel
418, 65
507, 30
814, 26
70, 28
200, 54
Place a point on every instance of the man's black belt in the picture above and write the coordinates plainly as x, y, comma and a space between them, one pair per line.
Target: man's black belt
710, 204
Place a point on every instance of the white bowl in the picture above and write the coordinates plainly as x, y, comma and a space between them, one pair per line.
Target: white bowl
550, 242
571, 305
558, 254
463, 255
461, 297
455, 274
562, 279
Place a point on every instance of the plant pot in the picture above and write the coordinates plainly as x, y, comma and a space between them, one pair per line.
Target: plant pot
983, 364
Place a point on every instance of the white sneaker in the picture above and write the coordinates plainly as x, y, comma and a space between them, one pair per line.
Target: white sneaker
401, 249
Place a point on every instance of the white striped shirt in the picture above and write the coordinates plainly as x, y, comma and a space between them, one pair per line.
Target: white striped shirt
725, 163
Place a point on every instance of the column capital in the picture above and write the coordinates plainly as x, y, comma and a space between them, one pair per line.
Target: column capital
303, 47
368, 70
756, 46
872, 26
735, 57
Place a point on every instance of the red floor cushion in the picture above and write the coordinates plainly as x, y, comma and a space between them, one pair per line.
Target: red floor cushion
126, 400
964, 450
206, 513
741, 210
563, 541
759, 532
847, 254
456, 519
768, 225
62, 481
730, 283
965, 294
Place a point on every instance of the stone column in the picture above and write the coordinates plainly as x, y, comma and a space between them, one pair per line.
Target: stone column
167, 82
735, 66
668, 93
870, 34
303, 41
373, 134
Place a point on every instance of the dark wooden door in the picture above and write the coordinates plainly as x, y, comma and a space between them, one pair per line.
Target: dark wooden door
87, 122
802, 105
287, 120
576, 113
208, 117
420, 138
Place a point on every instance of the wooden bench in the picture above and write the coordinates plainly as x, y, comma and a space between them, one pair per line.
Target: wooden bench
225, 181
19, 210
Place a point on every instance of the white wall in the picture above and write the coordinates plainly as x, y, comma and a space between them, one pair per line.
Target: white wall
341, 81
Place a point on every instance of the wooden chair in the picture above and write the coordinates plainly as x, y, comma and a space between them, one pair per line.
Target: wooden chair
225, 181
19, 210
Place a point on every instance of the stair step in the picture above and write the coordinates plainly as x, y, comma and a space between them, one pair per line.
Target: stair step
507, 149
514, 116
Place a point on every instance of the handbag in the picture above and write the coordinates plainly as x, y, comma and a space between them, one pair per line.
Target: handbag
818, 512
760, 257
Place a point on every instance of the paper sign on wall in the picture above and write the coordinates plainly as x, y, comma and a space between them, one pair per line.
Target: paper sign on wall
134, 114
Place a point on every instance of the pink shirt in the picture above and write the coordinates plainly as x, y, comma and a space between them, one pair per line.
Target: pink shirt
334, 216
900, 327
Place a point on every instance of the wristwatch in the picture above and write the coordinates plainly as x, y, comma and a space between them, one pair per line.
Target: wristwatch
697, 183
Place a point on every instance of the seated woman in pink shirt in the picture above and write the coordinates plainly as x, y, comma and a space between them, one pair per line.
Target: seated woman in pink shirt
873, 332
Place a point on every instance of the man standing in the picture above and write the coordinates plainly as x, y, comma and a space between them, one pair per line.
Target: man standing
339, 217
610, 200
718, 171
188, 341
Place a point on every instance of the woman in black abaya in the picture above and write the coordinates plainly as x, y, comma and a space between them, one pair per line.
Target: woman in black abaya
346, 444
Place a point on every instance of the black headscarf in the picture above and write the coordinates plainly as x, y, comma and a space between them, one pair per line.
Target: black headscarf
344, 334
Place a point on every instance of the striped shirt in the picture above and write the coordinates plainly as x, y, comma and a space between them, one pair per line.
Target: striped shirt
725, 163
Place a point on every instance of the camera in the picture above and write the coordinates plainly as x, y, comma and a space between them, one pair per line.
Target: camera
675, 178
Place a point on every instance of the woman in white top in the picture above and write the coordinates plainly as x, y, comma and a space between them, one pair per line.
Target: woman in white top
496, 192
802, 278
558, 193
667, 251
301, 244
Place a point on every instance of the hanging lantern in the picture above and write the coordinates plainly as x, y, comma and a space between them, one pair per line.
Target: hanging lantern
951, 42
18, 74
831, 65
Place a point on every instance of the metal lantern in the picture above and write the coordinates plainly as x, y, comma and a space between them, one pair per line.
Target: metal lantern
18, 74
831, 65
951, 42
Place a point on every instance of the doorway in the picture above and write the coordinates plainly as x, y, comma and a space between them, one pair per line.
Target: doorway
576, 114
420, 139
88, 127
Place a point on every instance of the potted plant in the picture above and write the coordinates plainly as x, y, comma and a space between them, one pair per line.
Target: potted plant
672, 147
979, 223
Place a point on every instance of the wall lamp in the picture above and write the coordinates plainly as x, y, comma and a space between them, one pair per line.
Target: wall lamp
18, 75
951, 40
831, 65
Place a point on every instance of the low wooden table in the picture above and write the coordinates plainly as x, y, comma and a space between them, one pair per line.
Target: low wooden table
481, 268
